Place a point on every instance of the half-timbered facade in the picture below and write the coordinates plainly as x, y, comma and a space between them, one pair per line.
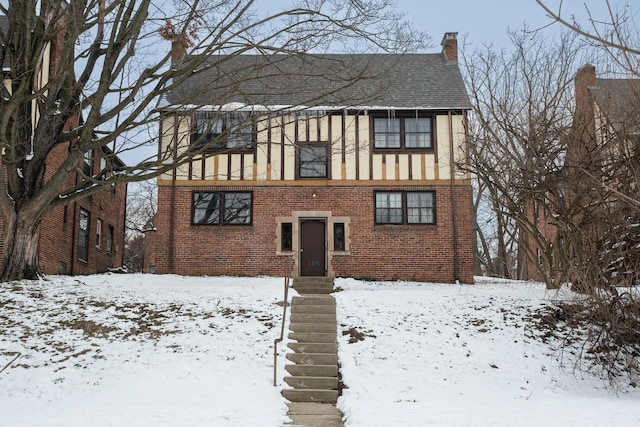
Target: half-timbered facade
362, 183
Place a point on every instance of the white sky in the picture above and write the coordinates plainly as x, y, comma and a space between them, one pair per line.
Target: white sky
488, 20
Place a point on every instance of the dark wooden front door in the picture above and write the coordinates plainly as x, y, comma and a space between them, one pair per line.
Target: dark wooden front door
312, 247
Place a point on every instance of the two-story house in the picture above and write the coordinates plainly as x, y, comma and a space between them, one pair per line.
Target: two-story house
343, 165
86, 236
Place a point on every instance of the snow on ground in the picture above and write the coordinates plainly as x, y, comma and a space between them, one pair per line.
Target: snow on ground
456, 355
136, 350
152, 350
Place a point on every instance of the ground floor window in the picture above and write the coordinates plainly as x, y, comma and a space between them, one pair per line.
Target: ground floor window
221, 208
405, 207
339, 242
83, 236
110, 239
286, 233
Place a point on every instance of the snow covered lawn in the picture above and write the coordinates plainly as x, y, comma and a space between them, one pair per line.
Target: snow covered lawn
448, 355
150, 350
140, 350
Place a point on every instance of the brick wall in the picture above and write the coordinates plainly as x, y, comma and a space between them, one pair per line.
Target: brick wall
384, 252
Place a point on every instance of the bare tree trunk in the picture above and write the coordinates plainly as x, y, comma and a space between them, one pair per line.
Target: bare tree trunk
521, 266
20, 256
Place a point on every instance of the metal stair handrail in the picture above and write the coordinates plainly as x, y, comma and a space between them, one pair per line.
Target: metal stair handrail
285, 304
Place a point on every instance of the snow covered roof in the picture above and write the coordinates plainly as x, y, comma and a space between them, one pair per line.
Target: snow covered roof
365, 81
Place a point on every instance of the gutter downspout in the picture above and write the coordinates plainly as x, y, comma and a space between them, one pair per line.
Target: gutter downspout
454, 227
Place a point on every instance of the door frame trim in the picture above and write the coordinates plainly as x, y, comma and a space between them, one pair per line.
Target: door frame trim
294, 219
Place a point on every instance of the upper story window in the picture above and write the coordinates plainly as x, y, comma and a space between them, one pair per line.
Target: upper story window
412, 132
313, 161
405, 207
215, 131
87, 163
221, 208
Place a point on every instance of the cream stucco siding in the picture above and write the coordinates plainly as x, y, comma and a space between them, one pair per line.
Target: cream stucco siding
209, 168
377, 166
350, 147
390, 166
444, 159
236, 167
363, 151
403, 163
416, 166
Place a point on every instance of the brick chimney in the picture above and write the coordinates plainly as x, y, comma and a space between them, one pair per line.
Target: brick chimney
178, 49
450, 46
582, 149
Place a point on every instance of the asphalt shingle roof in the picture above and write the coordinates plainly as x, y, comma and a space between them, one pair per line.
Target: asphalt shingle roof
425, 81
619, 101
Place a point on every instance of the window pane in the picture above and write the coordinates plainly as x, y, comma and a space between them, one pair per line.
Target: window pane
420, 208
313, 162
386, 132
206, 208
417, 132
237, 208
87, 165
98, 232
208, 128
286, 235
83, 235
110, 239
338, 236
389, 208
418, 124
239, 131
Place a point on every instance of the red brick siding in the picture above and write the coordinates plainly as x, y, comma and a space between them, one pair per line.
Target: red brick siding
385, 252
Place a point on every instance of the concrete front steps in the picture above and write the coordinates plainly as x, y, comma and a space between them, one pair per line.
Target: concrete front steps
313, 366
314, 415
313, 285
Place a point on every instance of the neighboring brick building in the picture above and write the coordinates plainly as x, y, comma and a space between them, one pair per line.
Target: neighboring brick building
603, 145
362, 181
86, 236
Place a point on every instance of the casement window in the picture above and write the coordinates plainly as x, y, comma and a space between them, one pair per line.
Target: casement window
410, 132
104, 174
215, 131
87, 163
286, 233
313, 161
405, 207
83, 235
339, 242
98, 233
221, 208
110, 239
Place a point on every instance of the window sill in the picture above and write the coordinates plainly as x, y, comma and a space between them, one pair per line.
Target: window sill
403, 151
340, 253
284, 253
